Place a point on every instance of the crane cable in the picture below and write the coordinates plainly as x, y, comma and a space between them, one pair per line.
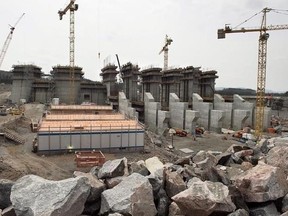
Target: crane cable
247, 19
274, 10
280, 11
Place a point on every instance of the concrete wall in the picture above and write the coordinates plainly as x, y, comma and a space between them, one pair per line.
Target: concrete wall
177, 111
97, 96
204, 109
94, 140
220, 104
42, 95
21, 90
125, 106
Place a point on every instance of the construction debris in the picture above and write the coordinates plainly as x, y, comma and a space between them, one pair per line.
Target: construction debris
89, 158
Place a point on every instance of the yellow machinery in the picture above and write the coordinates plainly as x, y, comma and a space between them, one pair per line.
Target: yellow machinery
72, 7
262, 56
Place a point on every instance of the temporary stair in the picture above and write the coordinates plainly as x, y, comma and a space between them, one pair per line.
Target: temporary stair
13, 136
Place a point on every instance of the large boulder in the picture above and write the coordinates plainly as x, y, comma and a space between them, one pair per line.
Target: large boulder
138, 167
174, 183
32, 195
277, 157
262, 183
205, 160
112, 168
97, 186
153, 165
133, 196
204, 198
5, 191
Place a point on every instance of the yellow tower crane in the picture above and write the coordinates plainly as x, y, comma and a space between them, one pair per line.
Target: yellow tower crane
168, 41
8, 39
262, 57
72, 7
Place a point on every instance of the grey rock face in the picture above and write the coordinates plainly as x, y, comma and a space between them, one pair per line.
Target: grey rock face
112, 168
239, 212
153, 165
264, 209
285, 203
174, 210
32, 195
9, 211
5, 191
277, 157
163, 203
204, 198
174, 183
262, 183
133, 196
205, 160
97, 186
112, 182
138, 167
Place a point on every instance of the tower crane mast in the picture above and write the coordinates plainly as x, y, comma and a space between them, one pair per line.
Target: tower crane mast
168, 41
72, 7
8, 40
262, 59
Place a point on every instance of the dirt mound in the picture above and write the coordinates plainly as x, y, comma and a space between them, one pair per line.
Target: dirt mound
14, 164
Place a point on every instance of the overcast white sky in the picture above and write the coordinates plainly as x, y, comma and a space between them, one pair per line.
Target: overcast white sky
136, 30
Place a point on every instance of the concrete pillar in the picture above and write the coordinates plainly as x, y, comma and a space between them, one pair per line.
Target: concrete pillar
125, 107
204, 109
163, 121
151, 112
216, 123
177, 111
240, 118
220, 104
191, 118
240, 103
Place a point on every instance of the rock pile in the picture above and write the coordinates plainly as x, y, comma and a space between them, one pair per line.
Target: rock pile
244, 180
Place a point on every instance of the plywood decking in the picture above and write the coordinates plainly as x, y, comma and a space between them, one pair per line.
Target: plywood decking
80, 107
83, 117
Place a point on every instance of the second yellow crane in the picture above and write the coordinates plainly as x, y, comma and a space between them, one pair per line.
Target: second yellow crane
262, 58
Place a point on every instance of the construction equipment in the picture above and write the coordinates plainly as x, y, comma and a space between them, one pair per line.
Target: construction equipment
262, 56
180, 132
72, 7
120, 70
8, 40
168, 41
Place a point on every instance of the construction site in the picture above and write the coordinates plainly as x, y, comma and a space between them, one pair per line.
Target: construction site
52, 125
